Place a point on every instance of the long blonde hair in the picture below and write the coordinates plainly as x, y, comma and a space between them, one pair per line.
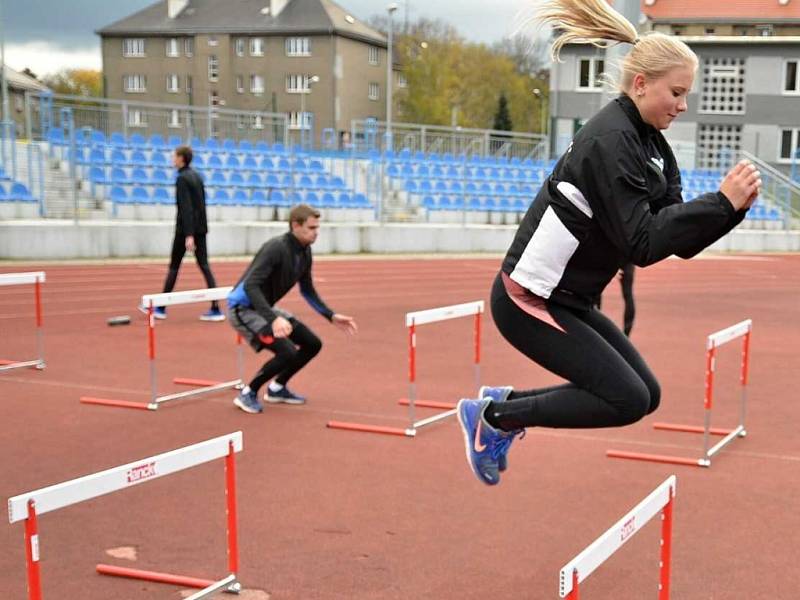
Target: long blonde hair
595, 22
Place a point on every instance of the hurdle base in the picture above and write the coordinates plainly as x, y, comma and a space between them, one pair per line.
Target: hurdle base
10, 365
207, 587
428, 404
201, 382
679, 427
364, 428
659, 458
118, 403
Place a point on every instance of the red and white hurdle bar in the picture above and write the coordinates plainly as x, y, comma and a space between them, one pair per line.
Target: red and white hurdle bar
661, 500
36, 278
715, 340
28, 507
153, 301
414, 320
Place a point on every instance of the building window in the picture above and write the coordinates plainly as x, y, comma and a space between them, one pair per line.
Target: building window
298, 46
173, 48
174, 118
256, 46
241, 121
722, 82
19, 103
790, 144
137, 118
297, 84
213, 68
296, 118
710, 31
173, 83
213, 41
257, 122
374, 91
240, 84
678, 30
402, 82
765, 30
188, 84
133, 48
374, 55
718, 146
589, 73
239, 45
791, 77
135, 84
188, 46
256, 84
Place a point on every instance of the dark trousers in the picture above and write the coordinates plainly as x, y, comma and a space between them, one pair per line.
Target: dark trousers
610, 383
626, 283
291, 355
200, 254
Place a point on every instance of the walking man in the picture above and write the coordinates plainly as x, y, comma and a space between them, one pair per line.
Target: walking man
190, 231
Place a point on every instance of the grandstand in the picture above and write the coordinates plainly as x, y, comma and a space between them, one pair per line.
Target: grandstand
448, 176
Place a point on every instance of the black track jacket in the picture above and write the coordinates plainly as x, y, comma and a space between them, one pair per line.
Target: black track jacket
613, 198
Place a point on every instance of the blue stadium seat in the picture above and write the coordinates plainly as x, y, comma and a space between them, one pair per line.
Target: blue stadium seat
258, 197
393, 170
410, 186
118, 195
250, 164
254, 180
97, 175
245, 146
55, 136
198, 162
157, 159
425, 187
429, 202
306, 182
267, 164
157, 142
287, 181
137, 140
437, 172
262, 147
139, 159
327, 200
337, 183
311, 198
162, 196
278, 148
229, 145
97, 156
140, 196
284, 165
218, 179
118, 158
119, 176
20, 193
220, 197
277, 198
272, 181
440, 187
240, 197
236, 180
300, 165
4, 195
423, 171
343, 200
316, 166
212, 145
232, 162
139, 177
174, 142
361, 201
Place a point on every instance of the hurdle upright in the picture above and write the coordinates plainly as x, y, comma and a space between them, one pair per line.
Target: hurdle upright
29, 506
36, 278
661, 500
153, 301
741, 330
412, 322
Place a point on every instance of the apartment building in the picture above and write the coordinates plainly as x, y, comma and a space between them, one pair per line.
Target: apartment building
286, 56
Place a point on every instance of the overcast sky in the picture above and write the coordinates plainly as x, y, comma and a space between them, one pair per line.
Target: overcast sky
47, 35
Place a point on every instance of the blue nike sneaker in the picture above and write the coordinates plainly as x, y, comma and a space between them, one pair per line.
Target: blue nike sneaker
483, 443
497, 394
248, 402
213, 314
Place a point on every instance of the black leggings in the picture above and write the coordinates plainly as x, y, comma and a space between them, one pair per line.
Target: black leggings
200, 254
291, 355
610, 384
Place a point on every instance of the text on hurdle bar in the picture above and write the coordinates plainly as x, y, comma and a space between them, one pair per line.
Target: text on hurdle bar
188, 297
715, 340
585, 563
85, 488
22, 278
444, 313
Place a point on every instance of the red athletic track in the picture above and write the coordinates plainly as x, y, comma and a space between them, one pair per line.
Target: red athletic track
332, 514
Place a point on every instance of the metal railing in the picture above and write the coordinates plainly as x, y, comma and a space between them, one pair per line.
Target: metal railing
779, 189
370, 135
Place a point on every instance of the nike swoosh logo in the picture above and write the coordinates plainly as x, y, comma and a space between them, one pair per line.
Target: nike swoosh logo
479, 447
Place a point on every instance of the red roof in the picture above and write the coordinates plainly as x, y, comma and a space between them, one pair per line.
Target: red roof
734, 10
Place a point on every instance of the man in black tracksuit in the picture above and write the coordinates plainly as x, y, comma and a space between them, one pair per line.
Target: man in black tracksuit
190, 230
280, 264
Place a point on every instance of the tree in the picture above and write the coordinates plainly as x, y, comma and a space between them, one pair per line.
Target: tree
502, 119
76, 82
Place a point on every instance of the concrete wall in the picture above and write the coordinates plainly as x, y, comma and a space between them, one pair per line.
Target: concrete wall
41, 240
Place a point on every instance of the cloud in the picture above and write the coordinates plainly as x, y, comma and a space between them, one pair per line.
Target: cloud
45, 58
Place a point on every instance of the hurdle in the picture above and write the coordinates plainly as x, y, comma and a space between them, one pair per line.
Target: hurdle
30, 506
202, 386
714, 341
662, 500
37, 278
412, 321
